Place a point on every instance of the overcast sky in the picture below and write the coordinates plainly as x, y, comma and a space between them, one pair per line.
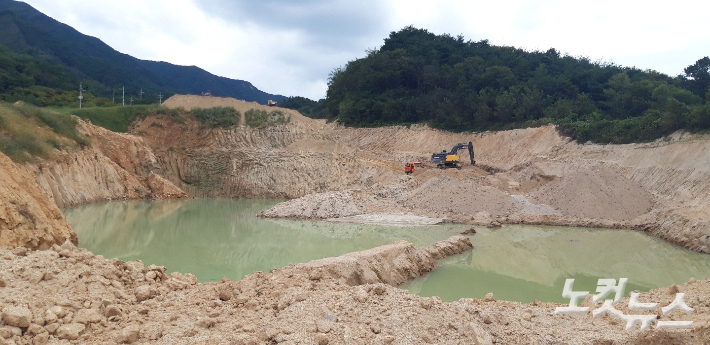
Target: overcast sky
289, 47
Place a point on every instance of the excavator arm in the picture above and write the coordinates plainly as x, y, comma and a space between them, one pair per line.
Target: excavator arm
469, 146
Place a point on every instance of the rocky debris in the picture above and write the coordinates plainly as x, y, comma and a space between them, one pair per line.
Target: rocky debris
17, 316
471, 231
388, 219
87, 316
129, 335
91, 300
70, 331
161, 188
145, 292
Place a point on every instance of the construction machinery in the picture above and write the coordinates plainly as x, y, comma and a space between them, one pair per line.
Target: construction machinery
409, 168
450, 159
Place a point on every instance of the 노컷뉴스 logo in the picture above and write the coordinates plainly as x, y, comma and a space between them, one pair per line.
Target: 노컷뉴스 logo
606, 287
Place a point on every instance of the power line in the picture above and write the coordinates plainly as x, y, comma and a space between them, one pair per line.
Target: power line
81, 90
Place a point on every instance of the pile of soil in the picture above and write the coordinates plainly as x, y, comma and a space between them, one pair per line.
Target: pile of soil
594, 192
447, 195
316, 206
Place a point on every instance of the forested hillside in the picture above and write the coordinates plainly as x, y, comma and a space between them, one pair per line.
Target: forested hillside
453, 84
29, 79
24, 30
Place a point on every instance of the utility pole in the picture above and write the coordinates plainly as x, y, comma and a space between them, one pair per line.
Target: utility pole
113, 95
141, 94
131, 100
123, 103
81, 96
160, 97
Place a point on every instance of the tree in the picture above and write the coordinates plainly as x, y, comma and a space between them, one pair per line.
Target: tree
700, 75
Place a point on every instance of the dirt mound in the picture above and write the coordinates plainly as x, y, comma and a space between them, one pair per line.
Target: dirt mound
189, 101
594, 192
316, 206
535, 176
448, 195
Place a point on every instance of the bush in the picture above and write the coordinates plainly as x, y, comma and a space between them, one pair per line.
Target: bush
22, 148
62, 124
259, 118
22, 140
218, 116
119, 119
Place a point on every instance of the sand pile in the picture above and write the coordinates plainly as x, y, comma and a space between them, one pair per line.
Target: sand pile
316, 206
594, 192
448, 195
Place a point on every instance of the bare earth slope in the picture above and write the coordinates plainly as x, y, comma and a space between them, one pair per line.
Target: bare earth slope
115, 166
28, 218
286, 161
533, 176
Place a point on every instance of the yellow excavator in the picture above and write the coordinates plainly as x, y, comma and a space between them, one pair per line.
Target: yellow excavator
450, 159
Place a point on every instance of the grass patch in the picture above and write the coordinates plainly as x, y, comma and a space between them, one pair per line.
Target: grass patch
218, 116
119, 119
28, 132
258, 118
22, 148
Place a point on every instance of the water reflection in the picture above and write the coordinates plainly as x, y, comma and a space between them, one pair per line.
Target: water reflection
214, 238
525, 263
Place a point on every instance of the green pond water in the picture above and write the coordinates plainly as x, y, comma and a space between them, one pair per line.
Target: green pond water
215, 238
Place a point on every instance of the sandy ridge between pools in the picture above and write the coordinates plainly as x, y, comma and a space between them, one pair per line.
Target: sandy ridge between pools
69, 296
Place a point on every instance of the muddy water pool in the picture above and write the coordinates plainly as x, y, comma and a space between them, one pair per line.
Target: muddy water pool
215, 238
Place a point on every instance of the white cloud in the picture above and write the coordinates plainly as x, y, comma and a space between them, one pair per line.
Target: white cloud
289, 47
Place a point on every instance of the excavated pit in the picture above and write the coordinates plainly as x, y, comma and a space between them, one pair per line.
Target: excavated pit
530, 176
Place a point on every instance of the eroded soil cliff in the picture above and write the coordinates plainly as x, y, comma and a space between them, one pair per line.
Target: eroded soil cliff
114, 167
28, 218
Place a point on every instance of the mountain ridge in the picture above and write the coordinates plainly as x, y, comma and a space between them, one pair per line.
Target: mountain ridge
25, 30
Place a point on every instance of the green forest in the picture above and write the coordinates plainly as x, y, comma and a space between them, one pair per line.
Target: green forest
41, 83
453, 84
